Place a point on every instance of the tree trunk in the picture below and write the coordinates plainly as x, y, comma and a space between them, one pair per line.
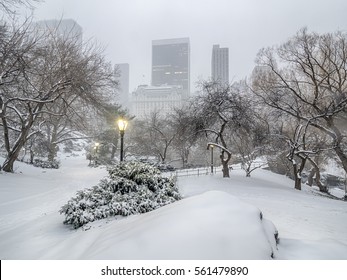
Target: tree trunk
298, 182
184, 157
11, 158
52, 152
14, 153
247, 168
342, 157
338, 137
297, 176
8, 164
52, 148
298, 171
32, 155
321, 187
310, 177
225, 165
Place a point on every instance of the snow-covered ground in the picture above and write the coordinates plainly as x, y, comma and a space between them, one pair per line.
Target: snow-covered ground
206, 224
310, 226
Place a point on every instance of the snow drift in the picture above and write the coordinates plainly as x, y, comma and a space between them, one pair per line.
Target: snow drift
213, 225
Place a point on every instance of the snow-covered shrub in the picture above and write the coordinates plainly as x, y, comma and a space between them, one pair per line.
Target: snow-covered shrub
54, 164
131, 188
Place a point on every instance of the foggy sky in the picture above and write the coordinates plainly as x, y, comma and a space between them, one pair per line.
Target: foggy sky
127, 27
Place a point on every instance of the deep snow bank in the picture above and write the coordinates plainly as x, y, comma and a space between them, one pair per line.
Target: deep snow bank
213, 225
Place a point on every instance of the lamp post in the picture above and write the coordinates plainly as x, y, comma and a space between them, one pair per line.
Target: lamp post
96, 146
211, 159
122, 125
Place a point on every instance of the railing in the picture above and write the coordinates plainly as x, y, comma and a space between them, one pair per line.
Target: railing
195, 171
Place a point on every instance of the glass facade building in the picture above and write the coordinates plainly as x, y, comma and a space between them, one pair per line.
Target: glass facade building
220, 64
171, 63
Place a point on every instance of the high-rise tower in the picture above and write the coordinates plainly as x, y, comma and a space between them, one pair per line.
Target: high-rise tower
171, 63
66, 29
122, 71
220, 64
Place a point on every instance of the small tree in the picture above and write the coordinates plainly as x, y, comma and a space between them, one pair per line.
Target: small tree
181, 123
216, 111
153, 137
250, 144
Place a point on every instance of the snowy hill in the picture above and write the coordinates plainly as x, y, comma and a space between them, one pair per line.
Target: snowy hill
218, 219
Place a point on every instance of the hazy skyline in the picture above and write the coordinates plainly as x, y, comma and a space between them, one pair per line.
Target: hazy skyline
127, 27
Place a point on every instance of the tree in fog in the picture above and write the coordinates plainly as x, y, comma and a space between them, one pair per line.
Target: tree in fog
306, 78
250, 140
182, 123
217, 111
10, 6
17, 51
153, 136
76, 111
300, 151
41, 77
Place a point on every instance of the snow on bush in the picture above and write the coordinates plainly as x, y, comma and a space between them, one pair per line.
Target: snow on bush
54, 164
131, 188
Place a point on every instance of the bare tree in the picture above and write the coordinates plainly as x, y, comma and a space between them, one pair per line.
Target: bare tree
181, 123
38, 75
16, 54
302, 148
250, 143
10, 6
216, 111
153, 137
307, 78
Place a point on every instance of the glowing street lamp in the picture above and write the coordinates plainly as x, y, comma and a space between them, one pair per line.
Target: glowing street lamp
96, 147
211, 159
122, 125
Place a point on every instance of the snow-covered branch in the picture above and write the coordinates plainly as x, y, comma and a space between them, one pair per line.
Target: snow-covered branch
212, 145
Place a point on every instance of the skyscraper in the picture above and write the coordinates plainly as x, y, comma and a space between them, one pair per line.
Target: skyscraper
220, 64
122, 71
171, 63
67, 29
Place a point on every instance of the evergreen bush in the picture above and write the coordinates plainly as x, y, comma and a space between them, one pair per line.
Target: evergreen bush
54, 164
131, 188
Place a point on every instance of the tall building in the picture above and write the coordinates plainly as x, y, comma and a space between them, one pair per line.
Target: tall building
122, 74
220, 64
64, 28
171, 63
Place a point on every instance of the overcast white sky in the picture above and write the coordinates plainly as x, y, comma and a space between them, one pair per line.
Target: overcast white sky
127, 28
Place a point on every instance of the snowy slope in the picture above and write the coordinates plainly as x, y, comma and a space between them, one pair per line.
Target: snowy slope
204, 225
213, 225
310, 226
